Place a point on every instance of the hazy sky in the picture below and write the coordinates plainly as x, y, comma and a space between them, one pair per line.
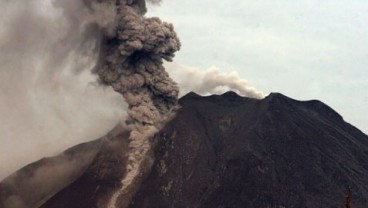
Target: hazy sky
305, 49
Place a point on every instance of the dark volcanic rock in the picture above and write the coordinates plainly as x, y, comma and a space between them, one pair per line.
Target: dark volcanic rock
220, 151
230, 151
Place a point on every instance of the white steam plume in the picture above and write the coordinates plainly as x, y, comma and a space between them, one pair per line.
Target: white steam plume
211, 81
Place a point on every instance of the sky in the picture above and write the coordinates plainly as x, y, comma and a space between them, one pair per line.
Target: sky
305, 49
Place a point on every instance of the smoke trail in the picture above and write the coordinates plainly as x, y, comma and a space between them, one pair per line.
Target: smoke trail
211, 81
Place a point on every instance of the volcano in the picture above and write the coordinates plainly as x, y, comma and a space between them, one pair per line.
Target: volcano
218, 151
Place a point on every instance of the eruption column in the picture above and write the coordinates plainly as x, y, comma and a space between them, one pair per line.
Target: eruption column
131, 61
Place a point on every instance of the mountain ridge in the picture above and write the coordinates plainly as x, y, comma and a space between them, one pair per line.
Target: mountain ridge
232, 151
275, 137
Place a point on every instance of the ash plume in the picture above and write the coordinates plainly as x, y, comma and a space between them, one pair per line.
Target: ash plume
48, 49
131, 61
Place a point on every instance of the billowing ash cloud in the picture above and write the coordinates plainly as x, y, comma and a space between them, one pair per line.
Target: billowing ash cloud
47, 49
131, 61
211, 81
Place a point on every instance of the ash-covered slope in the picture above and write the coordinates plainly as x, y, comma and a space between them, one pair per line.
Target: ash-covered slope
223, 151
229, 151
83, 176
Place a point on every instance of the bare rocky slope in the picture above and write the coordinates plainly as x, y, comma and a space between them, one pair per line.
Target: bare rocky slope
223, 151
230, 151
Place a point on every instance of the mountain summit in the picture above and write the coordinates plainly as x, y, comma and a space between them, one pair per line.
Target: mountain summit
223, 151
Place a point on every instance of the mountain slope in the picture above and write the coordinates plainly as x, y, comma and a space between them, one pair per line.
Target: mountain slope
81, 176
229, 151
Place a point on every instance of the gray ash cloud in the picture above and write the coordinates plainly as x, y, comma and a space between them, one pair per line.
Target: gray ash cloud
131, 62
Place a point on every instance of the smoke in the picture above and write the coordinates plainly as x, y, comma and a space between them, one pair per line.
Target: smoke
48, 50
131, 61
48, 99
211, 81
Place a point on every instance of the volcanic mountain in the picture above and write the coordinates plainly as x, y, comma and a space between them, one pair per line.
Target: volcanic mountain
218, 151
